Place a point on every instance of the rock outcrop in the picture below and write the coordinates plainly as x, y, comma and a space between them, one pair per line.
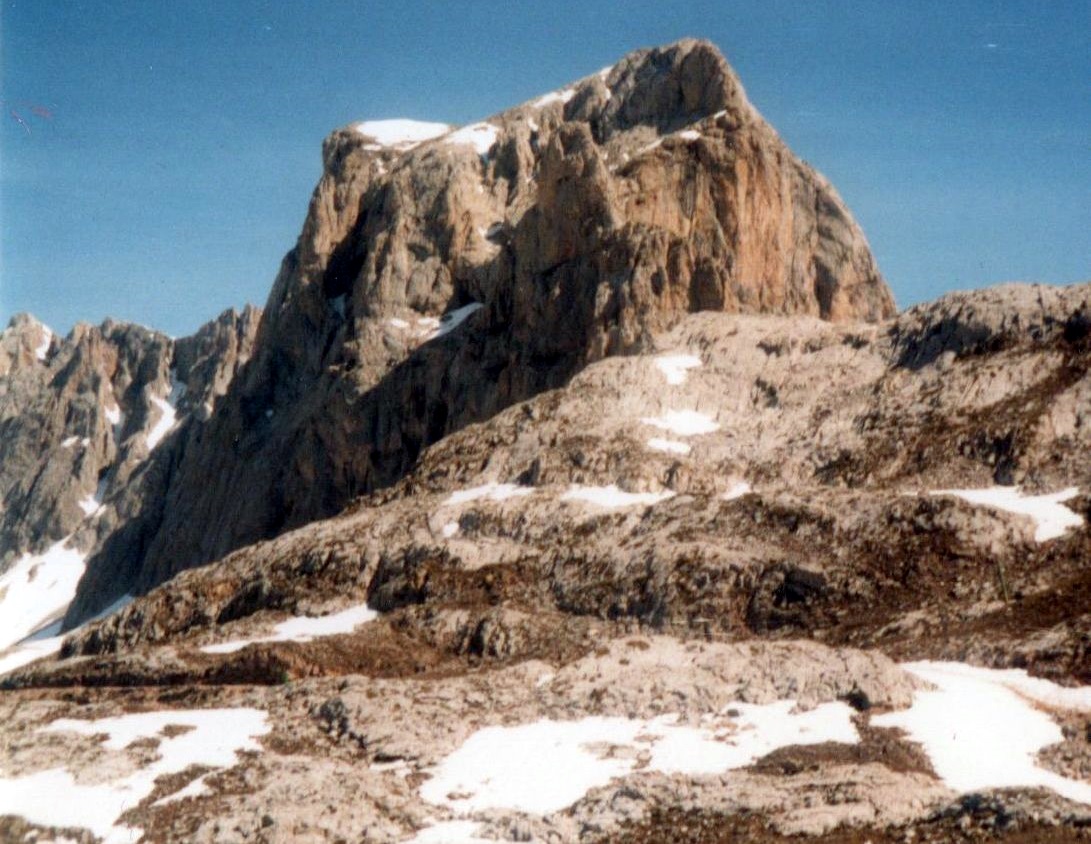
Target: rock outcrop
564, 230
82, 419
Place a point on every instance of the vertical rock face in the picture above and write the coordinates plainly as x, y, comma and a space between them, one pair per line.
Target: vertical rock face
80, 417
563, 230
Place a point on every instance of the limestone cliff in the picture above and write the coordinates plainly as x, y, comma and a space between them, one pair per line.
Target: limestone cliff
564, 230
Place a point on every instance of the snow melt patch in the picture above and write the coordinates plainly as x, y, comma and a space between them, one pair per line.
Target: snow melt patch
689, 135
1052, 518
481, 136
400, 133
213, 740
611, 496
669, 446
36, 588
491, 491
674, 366
545, 766
684, 423
303, 629
738, 490
981, 728
69, 442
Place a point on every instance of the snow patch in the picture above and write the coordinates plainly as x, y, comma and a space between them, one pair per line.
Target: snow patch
215, 737
611, 496
453, 319
669, 446
303, 629
48, 640
90, 505
113, 415
561, 96
43, 348
546, 766
166, 421
36, 588
491, 491
481, 136
684, 423
399, 133
1051, 517
674, 366
738, 490
69, 442
982, 728
689, 135
394, 322
450, 529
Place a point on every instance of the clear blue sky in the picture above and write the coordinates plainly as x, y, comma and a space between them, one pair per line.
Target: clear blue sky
184, 138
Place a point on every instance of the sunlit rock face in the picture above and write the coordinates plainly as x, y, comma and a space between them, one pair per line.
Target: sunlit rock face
564, 230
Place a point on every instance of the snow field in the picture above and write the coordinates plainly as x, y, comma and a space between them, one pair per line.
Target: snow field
981, 728
36, 588
213, 738
48, 640
546, 766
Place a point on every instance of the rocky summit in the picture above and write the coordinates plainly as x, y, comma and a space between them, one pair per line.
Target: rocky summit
579, 482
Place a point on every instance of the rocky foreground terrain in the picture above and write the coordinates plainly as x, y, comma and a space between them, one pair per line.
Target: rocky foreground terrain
579, 482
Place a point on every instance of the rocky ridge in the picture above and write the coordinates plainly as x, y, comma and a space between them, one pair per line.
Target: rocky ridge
81, 418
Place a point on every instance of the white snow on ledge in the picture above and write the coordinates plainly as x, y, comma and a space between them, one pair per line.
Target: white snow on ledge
1052, 518
401, 133
303, 629
47, 340
561, 96
481, 136
674, 366
54, 797
684, 423
982, 728
545, 766
611, 496
738, 490
491, 491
